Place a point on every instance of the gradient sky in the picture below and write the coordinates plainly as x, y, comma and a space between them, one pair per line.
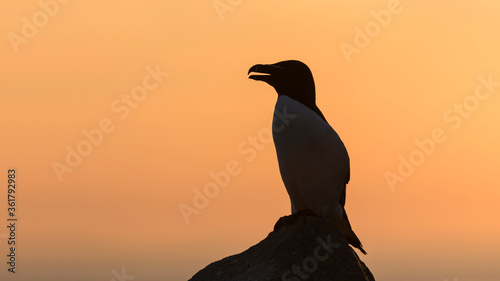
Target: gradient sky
417, 71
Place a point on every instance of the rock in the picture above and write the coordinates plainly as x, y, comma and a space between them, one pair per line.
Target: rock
301, 247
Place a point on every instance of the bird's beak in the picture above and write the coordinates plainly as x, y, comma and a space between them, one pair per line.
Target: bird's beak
267, 69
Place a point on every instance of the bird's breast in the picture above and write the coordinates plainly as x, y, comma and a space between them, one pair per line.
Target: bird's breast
307, 147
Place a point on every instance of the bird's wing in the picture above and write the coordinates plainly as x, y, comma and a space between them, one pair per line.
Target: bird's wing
343, 195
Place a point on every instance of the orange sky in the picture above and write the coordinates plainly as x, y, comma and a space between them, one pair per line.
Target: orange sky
67, 68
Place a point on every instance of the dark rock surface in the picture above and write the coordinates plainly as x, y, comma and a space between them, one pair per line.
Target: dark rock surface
301, 247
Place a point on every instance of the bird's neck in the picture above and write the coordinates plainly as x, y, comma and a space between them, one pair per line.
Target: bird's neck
311, 104
308, 100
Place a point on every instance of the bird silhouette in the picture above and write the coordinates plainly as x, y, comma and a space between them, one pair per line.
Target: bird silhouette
313, 161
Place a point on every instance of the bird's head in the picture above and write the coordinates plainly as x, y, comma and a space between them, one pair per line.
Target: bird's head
291, 78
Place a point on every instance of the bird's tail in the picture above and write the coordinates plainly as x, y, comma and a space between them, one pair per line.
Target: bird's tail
338, 217
345, 230
354, 240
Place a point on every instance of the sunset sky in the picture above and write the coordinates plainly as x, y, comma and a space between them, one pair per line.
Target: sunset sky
118, 114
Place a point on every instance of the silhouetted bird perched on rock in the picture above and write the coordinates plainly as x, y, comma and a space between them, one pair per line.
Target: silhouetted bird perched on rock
313, 160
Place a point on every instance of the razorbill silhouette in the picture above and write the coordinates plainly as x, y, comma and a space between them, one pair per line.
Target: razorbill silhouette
313, 160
